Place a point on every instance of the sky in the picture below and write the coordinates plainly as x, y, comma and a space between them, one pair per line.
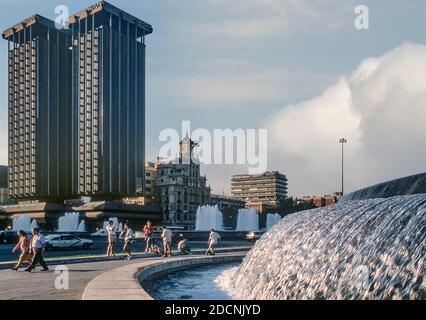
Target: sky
298, 68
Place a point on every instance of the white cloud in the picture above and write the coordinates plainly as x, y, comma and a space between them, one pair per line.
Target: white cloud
380, 108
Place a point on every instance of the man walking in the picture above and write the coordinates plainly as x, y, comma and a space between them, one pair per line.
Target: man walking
37, 247
127, 235
213, 240
167, 241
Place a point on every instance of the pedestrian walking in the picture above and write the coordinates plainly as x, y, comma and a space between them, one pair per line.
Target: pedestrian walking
24, 245
166, 235
38, 244
128, 236
213, 240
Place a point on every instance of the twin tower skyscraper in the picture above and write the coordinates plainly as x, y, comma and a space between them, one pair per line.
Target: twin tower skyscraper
77, 106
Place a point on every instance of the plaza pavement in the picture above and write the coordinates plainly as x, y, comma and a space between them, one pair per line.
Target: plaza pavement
39, 285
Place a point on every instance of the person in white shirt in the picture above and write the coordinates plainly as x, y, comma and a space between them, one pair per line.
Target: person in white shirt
37, 247
183, 246
128, 236
112, 237
213, 240
166, 235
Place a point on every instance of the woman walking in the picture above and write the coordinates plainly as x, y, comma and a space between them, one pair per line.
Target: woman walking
147, 230
128, 236
24, 245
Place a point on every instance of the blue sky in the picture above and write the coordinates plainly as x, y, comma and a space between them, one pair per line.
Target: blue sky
239, 64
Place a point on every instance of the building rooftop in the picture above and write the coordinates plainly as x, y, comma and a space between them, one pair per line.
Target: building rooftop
82, 14
107, 7
258, 175
36, 18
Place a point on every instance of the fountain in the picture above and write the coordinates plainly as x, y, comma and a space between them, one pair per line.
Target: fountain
69, 222
208, 217
272, 219
408, 185
82, 226
362, 249
248, 220
115, 223
34, 224
23, 222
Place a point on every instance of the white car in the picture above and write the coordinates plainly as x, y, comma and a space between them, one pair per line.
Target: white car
66, 241
100, 233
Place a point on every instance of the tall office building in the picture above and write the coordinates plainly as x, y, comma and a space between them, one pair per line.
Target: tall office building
4, 191
260, 190
38, 108
77, 105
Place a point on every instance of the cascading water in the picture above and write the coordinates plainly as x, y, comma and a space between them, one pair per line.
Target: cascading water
82, 226
208, 217
272, 219
23, 222
115, 223
69, 222
34, 224
248, 220
367, 249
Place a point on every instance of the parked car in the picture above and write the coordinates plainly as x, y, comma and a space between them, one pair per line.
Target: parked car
99, 233
66, 241
253, 235
7, 236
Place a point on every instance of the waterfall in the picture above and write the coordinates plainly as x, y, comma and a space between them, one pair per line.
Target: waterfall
248, 220
366, 249
82, 226
208, 217
403, 186
69, 222
23, 222
115, 222
272, 219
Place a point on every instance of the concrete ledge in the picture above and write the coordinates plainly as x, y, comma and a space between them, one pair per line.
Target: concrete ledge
96, 258
125, 283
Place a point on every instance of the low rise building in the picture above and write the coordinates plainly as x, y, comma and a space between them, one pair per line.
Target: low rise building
321, 201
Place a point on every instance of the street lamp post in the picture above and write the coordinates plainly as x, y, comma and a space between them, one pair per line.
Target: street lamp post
342, 141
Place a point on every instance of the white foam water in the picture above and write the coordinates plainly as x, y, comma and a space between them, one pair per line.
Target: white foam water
272, 219
366, 249
69, 222
248, 220
208, 217
225, 282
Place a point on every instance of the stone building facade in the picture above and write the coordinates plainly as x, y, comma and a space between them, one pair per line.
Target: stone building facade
180, 188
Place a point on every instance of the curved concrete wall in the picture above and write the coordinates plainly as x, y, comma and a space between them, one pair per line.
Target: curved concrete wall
408, 185
125, 283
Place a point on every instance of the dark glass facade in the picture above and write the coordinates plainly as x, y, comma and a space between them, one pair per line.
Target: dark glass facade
77, 106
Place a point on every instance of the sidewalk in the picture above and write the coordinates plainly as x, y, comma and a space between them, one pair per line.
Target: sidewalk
41, 285
120, 256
